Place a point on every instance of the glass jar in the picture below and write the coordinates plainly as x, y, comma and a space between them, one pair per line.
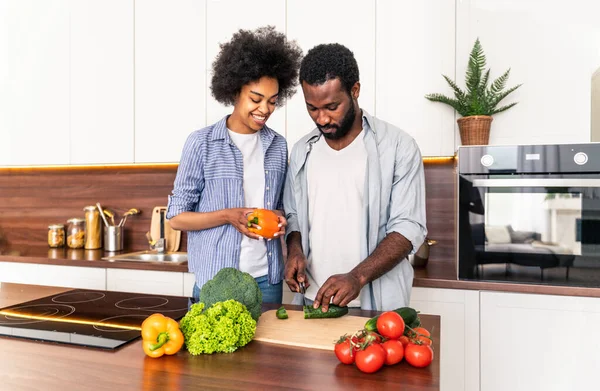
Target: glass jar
93, 228
76, 233
56, 235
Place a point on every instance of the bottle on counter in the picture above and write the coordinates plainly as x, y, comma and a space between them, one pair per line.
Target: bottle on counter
56, 235
93, 228
76, 233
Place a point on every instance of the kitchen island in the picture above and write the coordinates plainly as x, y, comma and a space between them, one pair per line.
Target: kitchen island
26, 364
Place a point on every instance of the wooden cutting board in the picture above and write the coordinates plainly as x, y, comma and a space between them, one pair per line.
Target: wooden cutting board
172, 237
307, 333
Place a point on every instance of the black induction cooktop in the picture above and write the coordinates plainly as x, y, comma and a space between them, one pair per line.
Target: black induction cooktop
97, 319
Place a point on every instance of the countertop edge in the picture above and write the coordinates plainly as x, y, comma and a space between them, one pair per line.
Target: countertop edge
99, 263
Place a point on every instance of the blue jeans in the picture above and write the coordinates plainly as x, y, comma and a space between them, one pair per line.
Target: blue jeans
271, 293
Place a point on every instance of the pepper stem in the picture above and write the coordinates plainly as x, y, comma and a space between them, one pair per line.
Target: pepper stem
162, 339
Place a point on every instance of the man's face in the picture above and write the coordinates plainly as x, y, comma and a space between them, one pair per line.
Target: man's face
331, 107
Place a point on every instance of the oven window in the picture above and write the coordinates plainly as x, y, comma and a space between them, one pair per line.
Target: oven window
533, 221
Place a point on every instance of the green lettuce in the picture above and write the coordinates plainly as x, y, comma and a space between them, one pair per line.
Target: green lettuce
222, 328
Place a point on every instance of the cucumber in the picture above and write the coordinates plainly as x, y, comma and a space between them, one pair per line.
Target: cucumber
409, 315
281, 313
316, 313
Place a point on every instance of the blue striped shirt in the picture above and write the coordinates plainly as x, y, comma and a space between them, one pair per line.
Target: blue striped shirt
210, 178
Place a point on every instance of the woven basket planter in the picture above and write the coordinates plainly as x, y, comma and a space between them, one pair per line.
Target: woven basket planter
475, 129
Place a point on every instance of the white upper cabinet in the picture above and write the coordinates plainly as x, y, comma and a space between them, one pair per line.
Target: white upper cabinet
34, 82
101, 81
224, 18
553, 47
170, 76
348, 22
414, 47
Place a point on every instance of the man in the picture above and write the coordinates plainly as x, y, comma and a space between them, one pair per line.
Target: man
354, 196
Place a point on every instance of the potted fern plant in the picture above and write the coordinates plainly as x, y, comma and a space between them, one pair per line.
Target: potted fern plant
479, 102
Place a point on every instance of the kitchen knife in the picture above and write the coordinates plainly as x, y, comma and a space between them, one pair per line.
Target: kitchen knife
303, 293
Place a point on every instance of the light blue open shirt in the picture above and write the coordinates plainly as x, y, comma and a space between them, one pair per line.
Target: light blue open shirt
395, 188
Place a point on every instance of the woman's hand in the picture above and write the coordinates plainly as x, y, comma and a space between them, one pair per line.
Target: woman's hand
282, 223
238, 217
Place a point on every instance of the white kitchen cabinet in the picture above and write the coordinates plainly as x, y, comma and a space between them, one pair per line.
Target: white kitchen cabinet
170, 76
224, 18
348, 22
539, 342
459, 334
145, 281
415, 45
101, 83
551, 47
71, 276
53, 275
34, 82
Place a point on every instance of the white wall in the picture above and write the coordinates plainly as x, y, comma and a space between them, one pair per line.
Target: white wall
142, 86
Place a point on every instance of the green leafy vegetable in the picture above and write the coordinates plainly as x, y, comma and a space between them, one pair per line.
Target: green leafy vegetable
232, 284
222, 328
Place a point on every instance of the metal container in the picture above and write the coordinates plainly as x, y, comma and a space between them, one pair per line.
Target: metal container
421, 257
113, 238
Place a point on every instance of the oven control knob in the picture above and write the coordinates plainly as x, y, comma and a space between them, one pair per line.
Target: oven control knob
580, 158
487, 160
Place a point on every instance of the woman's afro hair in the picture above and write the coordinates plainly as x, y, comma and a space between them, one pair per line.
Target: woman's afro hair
329, 61
251, 55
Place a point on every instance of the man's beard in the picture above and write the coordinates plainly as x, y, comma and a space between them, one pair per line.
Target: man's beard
343, 128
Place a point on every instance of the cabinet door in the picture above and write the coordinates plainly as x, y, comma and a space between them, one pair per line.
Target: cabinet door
170, 76
539, 342
145, 281
225, 17
552, 50
415, 46
101, 81
34, 82
459, 334
348, 22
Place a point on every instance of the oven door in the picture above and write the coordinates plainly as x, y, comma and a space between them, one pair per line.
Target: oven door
530, 228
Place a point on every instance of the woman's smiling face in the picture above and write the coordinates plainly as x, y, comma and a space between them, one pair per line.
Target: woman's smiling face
254, 105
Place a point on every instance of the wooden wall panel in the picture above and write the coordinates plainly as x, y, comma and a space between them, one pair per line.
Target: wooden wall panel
33, 198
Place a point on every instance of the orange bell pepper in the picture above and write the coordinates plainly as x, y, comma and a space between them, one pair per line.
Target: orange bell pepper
267, 220
161, 335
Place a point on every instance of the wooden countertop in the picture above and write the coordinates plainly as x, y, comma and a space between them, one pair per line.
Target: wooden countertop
441, 273
28, 364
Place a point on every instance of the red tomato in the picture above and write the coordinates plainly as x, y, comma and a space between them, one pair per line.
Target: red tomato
418, 356
371, 359
422, 335
394, 350
405, 341
343, 351
391, 325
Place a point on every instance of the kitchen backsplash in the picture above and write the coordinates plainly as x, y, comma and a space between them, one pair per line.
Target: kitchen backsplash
33, 198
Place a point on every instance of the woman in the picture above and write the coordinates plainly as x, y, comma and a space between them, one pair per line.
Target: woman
237, 164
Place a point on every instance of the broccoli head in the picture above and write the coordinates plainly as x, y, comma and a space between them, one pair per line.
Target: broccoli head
231, 284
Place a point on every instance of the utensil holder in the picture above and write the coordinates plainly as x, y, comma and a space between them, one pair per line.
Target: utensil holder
113, 238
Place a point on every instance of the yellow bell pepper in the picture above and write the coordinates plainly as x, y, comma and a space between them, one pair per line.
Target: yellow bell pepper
161, 335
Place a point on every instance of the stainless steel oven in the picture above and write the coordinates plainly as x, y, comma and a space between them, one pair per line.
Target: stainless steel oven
530, 214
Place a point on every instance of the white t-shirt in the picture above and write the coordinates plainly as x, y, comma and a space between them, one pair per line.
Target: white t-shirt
253, 253
336, 184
